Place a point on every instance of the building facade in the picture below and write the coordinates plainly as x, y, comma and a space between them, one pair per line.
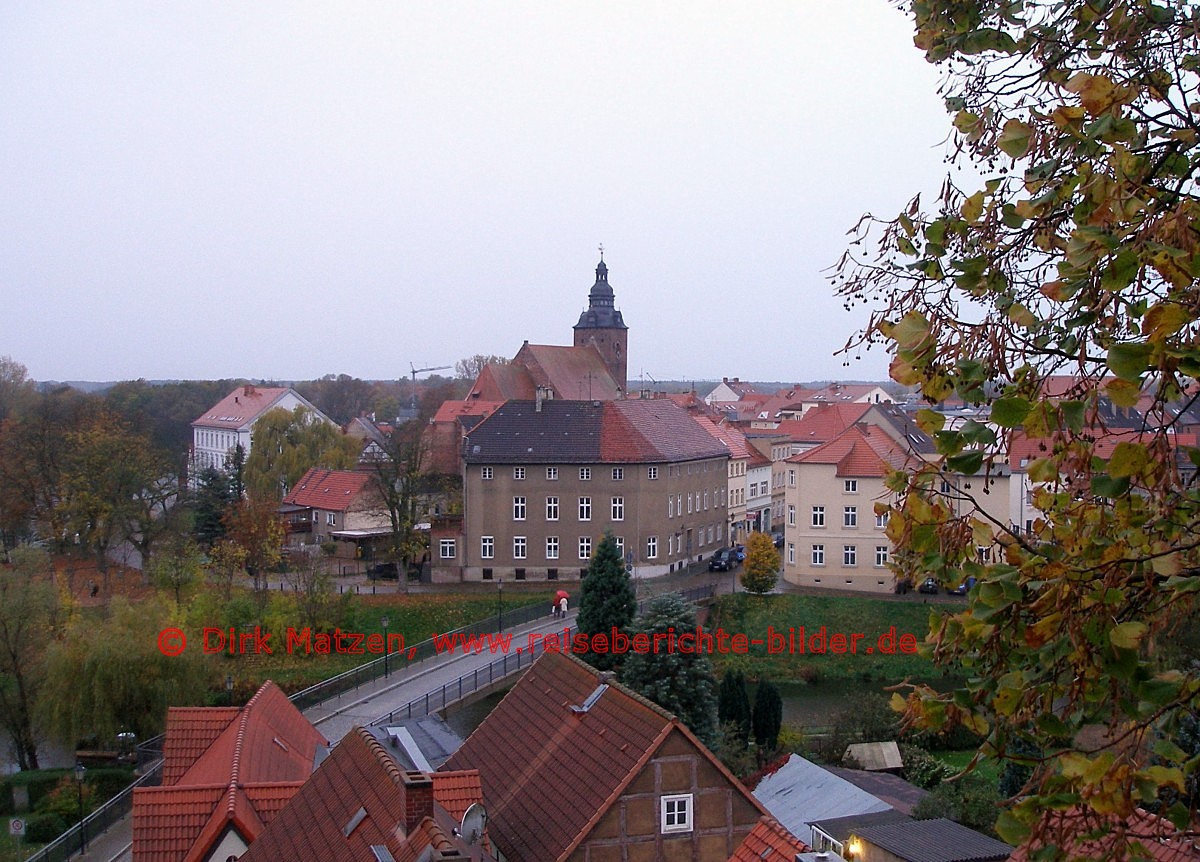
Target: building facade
545, 480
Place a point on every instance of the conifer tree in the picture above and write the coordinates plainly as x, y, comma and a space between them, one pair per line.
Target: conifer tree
733, 703
768, 716
606, 600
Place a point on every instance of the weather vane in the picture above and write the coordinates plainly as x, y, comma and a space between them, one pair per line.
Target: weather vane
602, 251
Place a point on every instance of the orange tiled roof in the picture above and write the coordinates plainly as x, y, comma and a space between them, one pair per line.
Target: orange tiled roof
1158, 836
359, 774
259, 756
331, 490
732, 437
550, 772
823, 422
570, 372
861, 450
768, 841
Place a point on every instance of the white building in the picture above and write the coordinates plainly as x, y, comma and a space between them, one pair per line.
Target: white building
230, 422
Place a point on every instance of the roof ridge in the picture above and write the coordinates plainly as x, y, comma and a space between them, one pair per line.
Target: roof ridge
376, 749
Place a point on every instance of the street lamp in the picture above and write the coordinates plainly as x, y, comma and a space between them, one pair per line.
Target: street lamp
500, 604
80, 771
229, 688
384, 623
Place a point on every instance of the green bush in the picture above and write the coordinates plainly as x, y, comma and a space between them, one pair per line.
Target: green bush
43, 827
108, 781
6, 799
39, 782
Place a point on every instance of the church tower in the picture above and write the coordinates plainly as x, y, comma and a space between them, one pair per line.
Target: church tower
603, 326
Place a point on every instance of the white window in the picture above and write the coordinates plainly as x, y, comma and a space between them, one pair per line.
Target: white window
689, 503
519, 546
791, 477
791, 515
818, 555
818, 516
552, 508
448, 549
585, 508
585, 474
552, 547
881, 520
791, 553
850, 486
619, 541
330, 519
850, 516
652, 548
552, 473
485, 472
487, 547
651, 472
670, 506
946, 486
618, 508
618, 473
585, 547
518, 508
518, 473
676, 813
849, 555
881, 555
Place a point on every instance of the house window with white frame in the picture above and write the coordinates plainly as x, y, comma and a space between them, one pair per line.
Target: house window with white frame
850, 486
552, 474
330, 519
485, 473
670, 506
518, 473
585, 508
652, 548
818, 516
619, 541
849, 555
552, 508
818, 555
791, 515
487, 547
519, 546
585, 547
651, 473
448, 549
618, 508
518, 508
850, 516
552, 547
791, 553
618, 473
676, 813
585, 474
881, 556
881, 520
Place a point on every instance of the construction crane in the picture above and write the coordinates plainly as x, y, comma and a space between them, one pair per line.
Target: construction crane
415, 372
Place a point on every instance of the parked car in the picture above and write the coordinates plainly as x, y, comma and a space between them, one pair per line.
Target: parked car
777, 538
722, 561
963, 588
739, 551
929, 586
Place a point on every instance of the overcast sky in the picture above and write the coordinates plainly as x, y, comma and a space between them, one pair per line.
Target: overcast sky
258, 189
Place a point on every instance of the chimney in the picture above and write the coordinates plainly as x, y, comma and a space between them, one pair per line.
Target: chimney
418, 798
247, 390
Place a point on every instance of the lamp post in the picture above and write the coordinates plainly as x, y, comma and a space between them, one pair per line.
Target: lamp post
500, 604
384, 623
229, 689
80, 771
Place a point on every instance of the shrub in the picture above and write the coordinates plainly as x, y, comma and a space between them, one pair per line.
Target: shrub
43, 827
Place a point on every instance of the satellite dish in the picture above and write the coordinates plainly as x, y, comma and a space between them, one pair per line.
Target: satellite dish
473, 823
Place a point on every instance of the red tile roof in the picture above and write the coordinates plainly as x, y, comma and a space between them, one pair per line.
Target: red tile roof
254, 760
732, 437
822, 423
551, 772
359, 775
331, 490
861, 450
241, 407
1158, 837
570, 372
769, 842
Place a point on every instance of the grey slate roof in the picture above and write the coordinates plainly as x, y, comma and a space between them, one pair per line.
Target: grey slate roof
937, 840
801, 792
590, 432
892, 789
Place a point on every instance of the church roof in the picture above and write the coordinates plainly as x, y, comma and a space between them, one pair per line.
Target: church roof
601, 312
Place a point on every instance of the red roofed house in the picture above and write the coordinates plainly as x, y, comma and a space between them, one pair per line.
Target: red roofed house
342, 506
226, 773
832, 537
576, 767
545, 479
361, 806
230, 422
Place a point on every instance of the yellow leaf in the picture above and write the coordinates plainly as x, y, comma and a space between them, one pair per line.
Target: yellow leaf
1095, 92
972, 207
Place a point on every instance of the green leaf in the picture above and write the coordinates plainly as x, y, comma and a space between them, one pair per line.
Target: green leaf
1127, 460
1121, 272
1104, 485
1072, 414
1010, 412
1010, 829
1015, 138
1127, 635
967, 463
1130, 360
930, 421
